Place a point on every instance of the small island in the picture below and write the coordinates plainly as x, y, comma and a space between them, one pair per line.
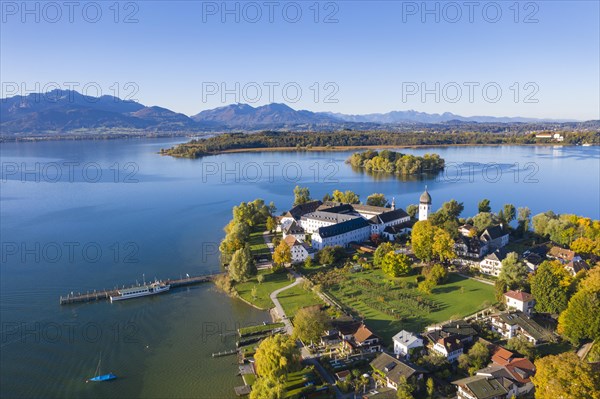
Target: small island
392, 162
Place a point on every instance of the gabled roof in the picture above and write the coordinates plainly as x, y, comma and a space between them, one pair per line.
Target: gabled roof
293, 228
459, 327
521, 369
526, 323
363, 333
498, 255
483, 387
451, 343
336, 207
501, 356
561, 253
398, 228
291, 241
329, 216
492, 233
394, 368
577, 266
393, 215
341, 228
299, 210
519, 295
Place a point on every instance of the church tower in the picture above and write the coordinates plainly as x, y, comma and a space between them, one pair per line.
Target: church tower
393, 204
424, 205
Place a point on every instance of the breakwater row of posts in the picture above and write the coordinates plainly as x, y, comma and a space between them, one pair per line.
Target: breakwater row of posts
98, 295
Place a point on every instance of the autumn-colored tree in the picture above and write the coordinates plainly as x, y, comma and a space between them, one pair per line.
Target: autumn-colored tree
381, 251
282, 254
586, 246
430, 387
580, 319
395, 265
347, 197
443, 246
267, 388
565, 376
437, 273
550, 286
309, 324
276, 356
271, 223
422, 239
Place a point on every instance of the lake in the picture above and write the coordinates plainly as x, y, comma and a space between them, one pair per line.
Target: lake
83, 215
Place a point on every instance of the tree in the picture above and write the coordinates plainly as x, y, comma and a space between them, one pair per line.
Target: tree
422, 238
430, 387
484, 206
482, 221
510, 212
395, 265
523, 218
477, 357
282, 254
586, 246
565, 376
513, 272
522, 346
550, 287
276, 356
309, 324
380, 253
404, 390
253, 292
260, 278
271, 224
581, 318
438, 274
377, 200
308, 263
452, 209
426, 286
443, 245
301, 195
412, 210
242, 265
267, 388
348, 197
327, 256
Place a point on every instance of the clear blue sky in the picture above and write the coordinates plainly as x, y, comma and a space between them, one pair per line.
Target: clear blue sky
374, 54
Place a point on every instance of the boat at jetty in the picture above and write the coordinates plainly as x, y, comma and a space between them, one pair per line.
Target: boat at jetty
144, 290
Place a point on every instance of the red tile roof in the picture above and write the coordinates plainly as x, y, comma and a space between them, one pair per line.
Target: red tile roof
519, 296
501, 356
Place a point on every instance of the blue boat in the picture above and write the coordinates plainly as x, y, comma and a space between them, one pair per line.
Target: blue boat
103, 377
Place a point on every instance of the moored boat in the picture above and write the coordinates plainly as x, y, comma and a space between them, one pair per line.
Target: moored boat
144, 290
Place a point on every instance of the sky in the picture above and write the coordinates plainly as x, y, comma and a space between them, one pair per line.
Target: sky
536, 59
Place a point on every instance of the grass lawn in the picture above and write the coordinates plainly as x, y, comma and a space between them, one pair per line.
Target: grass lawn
297, 297
272, 282
257, 242
389, 308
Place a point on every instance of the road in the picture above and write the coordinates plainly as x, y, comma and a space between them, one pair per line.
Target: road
279, 309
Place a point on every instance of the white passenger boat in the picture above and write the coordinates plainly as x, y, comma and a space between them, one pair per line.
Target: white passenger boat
144, 290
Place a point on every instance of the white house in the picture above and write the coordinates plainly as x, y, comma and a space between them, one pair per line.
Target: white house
295, 230
300, 250
450, 347
493, 238
404, 342
492, 264
520, 300
512, 324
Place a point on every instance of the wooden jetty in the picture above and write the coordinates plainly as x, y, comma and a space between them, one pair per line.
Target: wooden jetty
106, 294
225, 353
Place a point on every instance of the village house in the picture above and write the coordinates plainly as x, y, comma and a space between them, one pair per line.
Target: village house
467, 230
570, 260
468, 247
404, 341
492, 264
519, 300
389, 371
451, 347
296, 213
484, 387
295, 230
513, 324
362, 340
299, 250
493, 238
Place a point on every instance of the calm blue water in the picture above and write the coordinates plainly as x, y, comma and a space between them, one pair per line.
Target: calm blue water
78, 216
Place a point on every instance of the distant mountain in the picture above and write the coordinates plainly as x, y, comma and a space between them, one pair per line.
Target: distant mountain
65, 112
243, 115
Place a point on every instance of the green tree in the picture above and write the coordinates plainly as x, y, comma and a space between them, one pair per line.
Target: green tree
377, 200
510, 212
253, 292
282, 254
522, 346
301, 195
412, 210
565, 376
430, 388
381, 251
523, 217
550, 286
477, 358
308, 263
309, 324
395, 265
326, 256
260, 278
482, 221
267, 388
276, 356
271, 224
404, 389
242, 265
452, 209
484, 206
513, 272
438, 274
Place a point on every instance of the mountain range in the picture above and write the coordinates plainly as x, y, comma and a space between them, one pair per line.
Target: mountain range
61, 112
